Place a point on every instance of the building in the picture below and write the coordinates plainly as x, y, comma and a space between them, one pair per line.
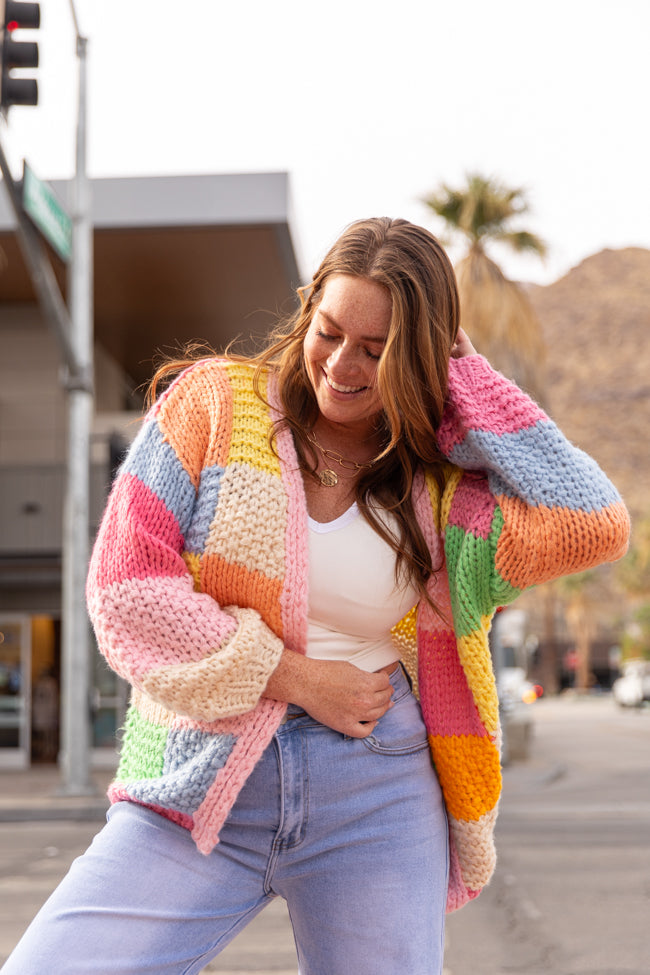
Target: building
176, 259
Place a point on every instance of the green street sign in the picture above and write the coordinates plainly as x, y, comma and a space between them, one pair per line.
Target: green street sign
45, 211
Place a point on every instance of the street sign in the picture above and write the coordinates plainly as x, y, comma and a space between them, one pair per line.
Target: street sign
45, 211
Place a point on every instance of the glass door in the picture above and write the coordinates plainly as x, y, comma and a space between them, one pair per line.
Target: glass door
15, 691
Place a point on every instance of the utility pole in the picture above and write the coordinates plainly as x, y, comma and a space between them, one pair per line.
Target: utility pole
73, 328
76, 677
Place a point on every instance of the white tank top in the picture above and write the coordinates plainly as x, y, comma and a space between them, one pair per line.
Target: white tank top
354, 600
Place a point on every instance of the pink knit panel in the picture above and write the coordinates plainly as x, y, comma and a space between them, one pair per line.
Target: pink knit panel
447, 704
139, 538
480, 399
154, 623
262, 723
473, 507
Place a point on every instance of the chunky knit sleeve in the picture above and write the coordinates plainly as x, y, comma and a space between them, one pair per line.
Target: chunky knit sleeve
531, 507
167, 639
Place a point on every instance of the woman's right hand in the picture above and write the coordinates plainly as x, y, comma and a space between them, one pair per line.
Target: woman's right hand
463, 345
334, 692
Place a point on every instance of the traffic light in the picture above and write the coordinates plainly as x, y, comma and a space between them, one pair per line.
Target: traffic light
18, 54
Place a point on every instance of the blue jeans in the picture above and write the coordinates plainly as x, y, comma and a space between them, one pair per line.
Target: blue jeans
351, 832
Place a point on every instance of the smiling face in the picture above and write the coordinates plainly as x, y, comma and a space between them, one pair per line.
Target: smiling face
342, 350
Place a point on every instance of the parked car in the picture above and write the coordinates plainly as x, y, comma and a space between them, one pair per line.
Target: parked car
514, 688
632, 688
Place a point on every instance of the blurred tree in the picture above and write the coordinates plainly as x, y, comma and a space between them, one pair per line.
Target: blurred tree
634, 576
581, 598
494, 310
549, 663
636, 640
634, 569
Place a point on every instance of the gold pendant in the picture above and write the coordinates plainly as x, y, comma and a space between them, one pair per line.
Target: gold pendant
328, 477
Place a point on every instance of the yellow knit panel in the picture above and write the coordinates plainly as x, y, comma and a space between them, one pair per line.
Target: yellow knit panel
454, 477
474, 654
404, 636
193, 563
434, 497
251, 424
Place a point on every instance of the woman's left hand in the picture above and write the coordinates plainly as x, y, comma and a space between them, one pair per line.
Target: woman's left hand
463, 345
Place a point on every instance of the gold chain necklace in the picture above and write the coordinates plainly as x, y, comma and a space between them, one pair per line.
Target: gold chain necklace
328, 477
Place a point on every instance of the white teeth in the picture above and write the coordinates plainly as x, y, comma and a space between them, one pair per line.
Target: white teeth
343, 389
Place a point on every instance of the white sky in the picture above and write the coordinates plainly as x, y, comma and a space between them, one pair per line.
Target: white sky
368, 106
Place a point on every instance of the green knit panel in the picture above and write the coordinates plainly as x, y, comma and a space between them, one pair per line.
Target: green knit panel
476, 587
503, 592
143, 749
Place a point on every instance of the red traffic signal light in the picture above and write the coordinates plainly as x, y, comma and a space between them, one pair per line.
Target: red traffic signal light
17, 14
18, 54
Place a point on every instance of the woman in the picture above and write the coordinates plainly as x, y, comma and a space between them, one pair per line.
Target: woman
255, 577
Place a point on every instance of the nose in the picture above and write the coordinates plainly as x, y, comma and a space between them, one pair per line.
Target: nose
342, 358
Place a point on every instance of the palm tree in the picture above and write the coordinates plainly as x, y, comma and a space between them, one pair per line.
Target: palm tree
634, 576
581, 601
494, 310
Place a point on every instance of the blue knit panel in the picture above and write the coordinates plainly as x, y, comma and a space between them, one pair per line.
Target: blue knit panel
192, 760
154, 462
537, 465
204, 509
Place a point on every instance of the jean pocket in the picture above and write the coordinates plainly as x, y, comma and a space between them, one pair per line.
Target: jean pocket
400, 731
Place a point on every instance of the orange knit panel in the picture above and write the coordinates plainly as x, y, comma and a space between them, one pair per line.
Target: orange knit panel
186, 418
469, 770
548, 542
234, 585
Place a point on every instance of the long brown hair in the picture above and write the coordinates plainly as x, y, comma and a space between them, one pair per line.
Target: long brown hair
411, 376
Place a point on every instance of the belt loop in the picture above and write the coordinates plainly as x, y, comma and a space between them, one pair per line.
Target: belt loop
288, 716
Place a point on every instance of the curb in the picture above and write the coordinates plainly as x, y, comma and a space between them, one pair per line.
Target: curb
52, 814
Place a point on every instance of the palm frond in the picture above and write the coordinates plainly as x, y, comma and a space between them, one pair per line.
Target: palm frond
482, 210
522, 241
447, 204
501, 322
494, 311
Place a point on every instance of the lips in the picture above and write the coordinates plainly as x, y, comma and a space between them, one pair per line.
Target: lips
339, 388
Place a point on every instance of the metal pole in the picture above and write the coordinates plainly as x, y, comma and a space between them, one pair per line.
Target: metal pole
75, 713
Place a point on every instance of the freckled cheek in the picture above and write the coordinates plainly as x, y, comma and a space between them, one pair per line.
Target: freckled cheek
316, 355
312, 360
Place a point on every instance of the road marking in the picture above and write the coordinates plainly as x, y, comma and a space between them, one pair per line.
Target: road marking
584, 810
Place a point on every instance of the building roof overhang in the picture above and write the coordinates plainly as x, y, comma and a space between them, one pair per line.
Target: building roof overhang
176, 259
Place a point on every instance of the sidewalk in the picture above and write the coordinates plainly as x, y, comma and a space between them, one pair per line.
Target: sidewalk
33, 794
264, 948
30, 797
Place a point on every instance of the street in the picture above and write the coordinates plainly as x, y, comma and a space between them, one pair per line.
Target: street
571, 895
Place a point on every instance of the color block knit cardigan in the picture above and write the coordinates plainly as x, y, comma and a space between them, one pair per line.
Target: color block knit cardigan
198, 581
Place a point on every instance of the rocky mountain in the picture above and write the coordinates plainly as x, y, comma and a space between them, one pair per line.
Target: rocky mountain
596, 323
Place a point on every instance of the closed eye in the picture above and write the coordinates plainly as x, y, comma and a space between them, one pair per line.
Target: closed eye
334, 338
324, 335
